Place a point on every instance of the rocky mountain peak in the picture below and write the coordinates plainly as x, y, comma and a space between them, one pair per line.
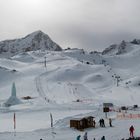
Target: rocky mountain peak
32, 42
123, 47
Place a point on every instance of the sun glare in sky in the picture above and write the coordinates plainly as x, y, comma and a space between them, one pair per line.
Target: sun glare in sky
31, 2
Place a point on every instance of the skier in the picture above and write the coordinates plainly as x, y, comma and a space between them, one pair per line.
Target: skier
85, 136
131, 130
78, 137
103, 138
110, 122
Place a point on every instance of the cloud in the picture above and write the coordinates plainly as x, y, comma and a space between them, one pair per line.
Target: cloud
89, 24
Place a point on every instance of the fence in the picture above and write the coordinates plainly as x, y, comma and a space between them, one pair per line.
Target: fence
128, 116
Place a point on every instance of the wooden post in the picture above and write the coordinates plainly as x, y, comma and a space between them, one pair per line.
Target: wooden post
14, 119
45, 61
106, 115
51, 120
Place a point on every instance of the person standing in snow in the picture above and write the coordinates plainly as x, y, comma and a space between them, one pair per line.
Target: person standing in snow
100, 121
110, 122
103, 123
78, 137
131, 130
85, 136
103, 138
94, 123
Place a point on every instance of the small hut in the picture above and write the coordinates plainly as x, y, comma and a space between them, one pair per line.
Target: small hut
82, 123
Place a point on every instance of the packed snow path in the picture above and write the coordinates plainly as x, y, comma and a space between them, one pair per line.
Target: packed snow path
39, 87
40, 90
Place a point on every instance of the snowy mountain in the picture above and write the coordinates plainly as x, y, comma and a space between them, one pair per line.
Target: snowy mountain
123, 47
32, 42
74, 83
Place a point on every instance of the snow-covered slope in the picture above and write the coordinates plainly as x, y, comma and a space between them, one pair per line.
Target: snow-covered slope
73, 83
75, 73
32, 42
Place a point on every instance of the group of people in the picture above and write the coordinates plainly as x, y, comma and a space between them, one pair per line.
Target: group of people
102, 122
85, 137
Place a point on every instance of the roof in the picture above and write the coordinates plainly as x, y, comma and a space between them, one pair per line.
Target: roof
76, 119
108, 104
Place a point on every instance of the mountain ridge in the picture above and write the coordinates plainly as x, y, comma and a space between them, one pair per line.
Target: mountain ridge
123, 47
31, 42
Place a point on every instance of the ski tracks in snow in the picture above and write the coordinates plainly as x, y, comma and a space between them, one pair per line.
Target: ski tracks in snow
39, 87
38, 83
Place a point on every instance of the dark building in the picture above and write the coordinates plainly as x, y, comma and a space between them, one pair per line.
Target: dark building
82, 123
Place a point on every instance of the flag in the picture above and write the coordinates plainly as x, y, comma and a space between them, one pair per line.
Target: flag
14, 119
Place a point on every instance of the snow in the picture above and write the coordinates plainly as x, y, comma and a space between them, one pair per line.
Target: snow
56, 88
118, 131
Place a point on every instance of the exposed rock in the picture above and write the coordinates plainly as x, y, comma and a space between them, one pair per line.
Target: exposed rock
32, 42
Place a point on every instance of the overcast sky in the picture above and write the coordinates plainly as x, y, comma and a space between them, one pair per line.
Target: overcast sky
88, 24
